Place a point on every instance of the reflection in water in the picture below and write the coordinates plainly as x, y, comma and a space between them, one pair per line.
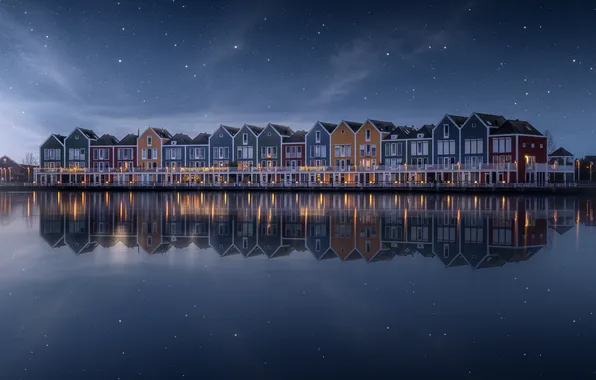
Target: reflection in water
477, 231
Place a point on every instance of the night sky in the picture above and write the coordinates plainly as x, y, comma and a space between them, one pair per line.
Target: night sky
118, 66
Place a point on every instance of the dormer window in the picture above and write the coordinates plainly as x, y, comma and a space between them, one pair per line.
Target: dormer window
394, 137
367, 134
445, 131
149, 140
245, 138
318, 137
173, 142
421, 135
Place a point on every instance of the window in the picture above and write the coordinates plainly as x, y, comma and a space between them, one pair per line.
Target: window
154, 154
367, 134
149, 140
318, 137
473, 146
399, 149
445, 131
144, 154
541, 146
348, 150
524, 145
446, 147
532, 145
239, 153
473, 125
245, 138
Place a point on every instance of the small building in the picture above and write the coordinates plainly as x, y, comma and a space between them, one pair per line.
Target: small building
475, 134
103, 158
343, 151
368, 147
221, 144
394, 152
77, 151
562, 166
13, 172
246, 144
197, 156
420, 152
446, 146
318, 150
51, 153
149, 152
293, 155
270, 145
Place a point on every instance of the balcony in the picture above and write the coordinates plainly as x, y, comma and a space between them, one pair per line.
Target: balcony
551, 168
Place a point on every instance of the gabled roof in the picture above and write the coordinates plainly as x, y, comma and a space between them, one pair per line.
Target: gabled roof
231, 130
105, 140
256, 130
491, 120
383, 126
10, 161
330, 127
201, 139
515, 127
89, 133
297, 137
458, 120
401, 132
561, 152
283, 130
180, 139
60, 138
130, 139
427, 130
353, 125
163, 133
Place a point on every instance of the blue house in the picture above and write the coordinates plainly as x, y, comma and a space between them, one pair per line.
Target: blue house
197, 152
318, 144
446, 144
221, 144
174, 151
474, 140
394, 146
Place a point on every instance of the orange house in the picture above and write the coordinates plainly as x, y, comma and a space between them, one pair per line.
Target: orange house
343, 150
149, 152
368, 233
343, 242
368, 146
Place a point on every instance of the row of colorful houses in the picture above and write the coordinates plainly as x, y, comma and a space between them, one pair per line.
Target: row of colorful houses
477, 148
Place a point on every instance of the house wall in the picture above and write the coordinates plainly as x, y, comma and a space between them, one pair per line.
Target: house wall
368, 233
109, 160
525, 149
364, 160
299, 160
324, 143
132, 158
51, 143
342, 135
77, 140
270, 138
318, 235
252, 141
342, 232
221, 139
156, 144
195, 162
474, 129
386, 151
412, 159
438, 135
179, 161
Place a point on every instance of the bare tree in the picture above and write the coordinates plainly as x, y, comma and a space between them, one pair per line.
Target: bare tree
30, 159
551, 145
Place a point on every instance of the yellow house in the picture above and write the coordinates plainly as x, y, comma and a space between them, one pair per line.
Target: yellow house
368, 147
343, 150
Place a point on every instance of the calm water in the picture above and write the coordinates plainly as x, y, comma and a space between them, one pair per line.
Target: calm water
296, 286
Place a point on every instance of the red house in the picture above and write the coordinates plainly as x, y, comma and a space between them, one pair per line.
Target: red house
518, 142
102, 157
293, 154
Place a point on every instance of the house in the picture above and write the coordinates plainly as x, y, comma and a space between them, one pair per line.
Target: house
246, 144
475, 134
446, 144
420, 151
562, 165
368, 233
103, 158
197, 155
368, 147
221, 145
51, 154
342, 231
174, 152
77, 150
318, 148
520, 150
343, 150
293, 154
11, 171
394, 152
269, 142
149, 145
125, 157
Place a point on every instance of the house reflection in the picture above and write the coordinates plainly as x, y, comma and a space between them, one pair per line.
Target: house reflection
475, 231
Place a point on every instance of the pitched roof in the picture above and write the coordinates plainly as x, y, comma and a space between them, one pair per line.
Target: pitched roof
459, 120
297, 137
383, 126
561, 152
180, 139
402, 132
163, 133
130, 139
256, 130
201, 139
105, 140
330, 127
353, 125
11, 162
59, 137
283, 130
512, 127
427, 130
491, 120
231, 130
89, 133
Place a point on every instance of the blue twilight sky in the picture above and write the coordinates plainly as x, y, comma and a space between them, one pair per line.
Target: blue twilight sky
118, 66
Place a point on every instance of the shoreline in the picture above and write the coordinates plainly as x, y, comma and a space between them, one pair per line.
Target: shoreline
563, 190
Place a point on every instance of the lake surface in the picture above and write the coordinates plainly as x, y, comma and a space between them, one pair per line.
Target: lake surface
296, 286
